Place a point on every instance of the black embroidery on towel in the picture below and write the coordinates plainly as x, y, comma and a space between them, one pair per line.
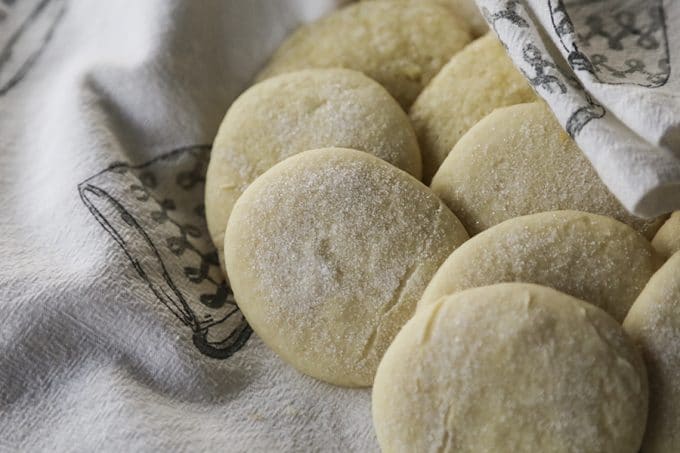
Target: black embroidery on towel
28, 36
539, 67
509, 13
155, 212
549, 77
600, 37
542, 77
583, 115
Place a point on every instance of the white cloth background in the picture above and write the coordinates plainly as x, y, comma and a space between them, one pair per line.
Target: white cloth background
116, 333
96, 347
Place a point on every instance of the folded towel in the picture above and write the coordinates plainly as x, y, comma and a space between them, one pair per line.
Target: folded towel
605, 67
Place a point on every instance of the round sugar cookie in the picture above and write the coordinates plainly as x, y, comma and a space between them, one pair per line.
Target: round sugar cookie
400, 45
591, 257
328, 253
510, 368
466, 10
667, 239
477, 80
518, 161
654, 325
297, 112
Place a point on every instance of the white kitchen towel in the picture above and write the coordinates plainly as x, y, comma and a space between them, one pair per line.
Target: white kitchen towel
117, 332
609, 69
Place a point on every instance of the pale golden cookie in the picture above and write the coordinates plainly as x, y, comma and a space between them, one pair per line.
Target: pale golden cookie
667, 239
400, 45
477, 80
510, 368
297, 112
328, 253
654, 325
518, 160
466, 10
591, 257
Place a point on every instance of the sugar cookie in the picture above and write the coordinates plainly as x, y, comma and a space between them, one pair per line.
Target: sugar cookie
400, 45
328, 253
591, 257
519, 161
510, 368
654, 325
477, 80
667, 239
466, 10
297, 112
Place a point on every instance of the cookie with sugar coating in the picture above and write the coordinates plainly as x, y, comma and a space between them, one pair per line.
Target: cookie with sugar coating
328, 253
401, 45
591, 257
654, 325
466, 10
667, 239
297, 112
510, 368
517, 161
477, 80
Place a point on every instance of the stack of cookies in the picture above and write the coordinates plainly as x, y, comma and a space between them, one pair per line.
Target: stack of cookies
394, 207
